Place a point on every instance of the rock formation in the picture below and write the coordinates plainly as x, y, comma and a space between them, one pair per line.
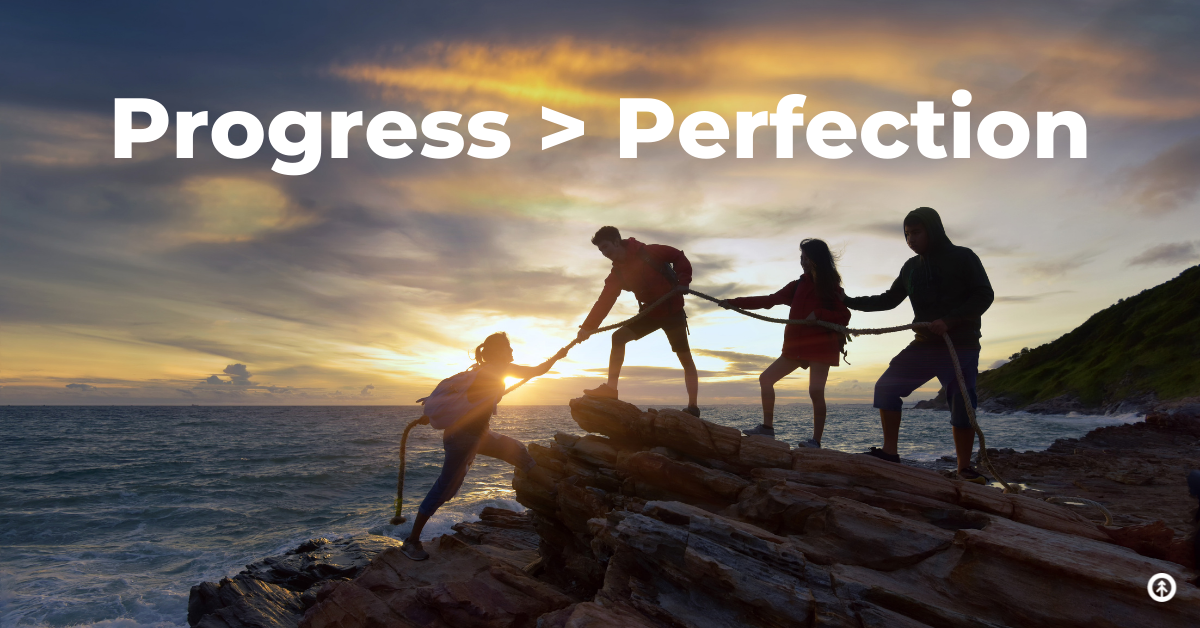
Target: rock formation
1138, 471
660, 519
276, 590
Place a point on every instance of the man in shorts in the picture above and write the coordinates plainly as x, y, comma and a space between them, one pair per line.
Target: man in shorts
948, 288
649, 271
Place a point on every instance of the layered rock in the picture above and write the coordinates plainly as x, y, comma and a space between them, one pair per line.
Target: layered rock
1138, 471
276, 591
661, 519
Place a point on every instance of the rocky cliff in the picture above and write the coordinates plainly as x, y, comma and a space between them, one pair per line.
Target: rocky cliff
661, 519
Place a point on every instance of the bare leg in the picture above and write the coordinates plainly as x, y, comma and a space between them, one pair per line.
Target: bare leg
779, 369
964, 446
691, 378
818, 374
617, 358
891, 430
418, 526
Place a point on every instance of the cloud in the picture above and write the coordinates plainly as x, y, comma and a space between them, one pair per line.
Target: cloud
738, 363
1168, 254
997, 364
892, 229
81, 387
1169, 181
654, 373
213, 379
238, 375
366, 391
1030, 298
1052, 269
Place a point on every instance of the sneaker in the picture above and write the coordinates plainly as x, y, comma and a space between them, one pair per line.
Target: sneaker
603, 391
971, 475
881, 454
693, 410
413, 550
761, 430
811, 443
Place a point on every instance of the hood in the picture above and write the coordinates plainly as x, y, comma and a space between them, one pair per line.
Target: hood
933, 226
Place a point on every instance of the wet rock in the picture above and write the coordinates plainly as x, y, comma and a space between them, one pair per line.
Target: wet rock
318, 560
269, 592
246, 602
458, 586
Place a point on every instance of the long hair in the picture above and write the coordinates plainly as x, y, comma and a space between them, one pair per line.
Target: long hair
829, 282
489, 345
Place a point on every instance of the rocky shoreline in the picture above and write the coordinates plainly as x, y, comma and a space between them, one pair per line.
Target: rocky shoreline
1062, 404
660, 519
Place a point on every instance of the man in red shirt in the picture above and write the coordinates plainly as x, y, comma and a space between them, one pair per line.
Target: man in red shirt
649, 271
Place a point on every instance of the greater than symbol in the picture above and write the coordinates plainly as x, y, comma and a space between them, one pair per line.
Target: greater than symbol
574, 128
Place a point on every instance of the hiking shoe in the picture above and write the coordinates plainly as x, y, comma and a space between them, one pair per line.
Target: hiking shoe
811, 443
761, 430
881, 454
603, 391
413, 550
693, 410
971, 475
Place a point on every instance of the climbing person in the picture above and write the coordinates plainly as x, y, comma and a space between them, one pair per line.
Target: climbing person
816, 295
470, 435
949, 289
649, 271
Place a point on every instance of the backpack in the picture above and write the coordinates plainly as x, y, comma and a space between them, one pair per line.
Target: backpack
448, 402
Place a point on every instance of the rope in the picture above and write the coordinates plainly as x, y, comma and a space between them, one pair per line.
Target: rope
399, 518
841, 329
1108, 520
847, 332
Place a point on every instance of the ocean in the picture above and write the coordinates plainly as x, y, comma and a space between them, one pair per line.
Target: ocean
108, 515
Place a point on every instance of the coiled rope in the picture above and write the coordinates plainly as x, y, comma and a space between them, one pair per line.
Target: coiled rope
841, 329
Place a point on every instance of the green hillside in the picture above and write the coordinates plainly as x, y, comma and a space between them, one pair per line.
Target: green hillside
1143, 344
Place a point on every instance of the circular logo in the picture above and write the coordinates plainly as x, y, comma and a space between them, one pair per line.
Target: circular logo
1161, 587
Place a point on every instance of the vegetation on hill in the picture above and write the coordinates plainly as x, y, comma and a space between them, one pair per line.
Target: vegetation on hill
1149, 343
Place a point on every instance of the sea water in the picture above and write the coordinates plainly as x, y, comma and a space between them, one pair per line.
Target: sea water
108, 515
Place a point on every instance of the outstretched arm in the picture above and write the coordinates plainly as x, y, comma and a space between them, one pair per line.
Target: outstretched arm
894, 296
527, 372
604, 304
782, 297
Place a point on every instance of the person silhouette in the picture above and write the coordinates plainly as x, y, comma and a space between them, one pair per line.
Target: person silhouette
948, 288
471, 435
649, 271
816, 295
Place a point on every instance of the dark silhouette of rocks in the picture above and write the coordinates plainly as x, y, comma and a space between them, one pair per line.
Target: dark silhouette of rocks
660, 519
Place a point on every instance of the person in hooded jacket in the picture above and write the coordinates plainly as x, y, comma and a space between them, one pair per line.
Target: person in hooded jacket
816, 295
649, 271
948, 288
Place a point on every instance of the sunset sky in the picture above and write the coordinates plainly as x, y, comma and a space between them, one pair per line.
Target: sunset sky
157, 280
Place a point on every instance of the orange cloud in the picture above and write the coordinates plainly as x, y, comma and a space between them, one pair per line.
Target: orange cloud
752, 70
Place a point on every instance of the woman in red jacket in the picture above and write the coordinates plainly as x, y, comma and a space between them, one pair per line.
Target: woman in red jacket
817, 295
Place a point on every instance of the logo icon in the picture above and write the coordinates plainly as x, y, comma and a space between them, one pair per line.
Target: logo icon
1161, 587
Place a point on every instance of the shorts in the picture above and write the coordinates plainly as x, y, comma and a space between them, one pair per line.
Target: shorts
673, 325
918, 363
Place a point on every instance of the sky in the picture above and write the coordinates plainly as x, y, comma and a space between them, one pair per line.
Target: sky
158, 280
